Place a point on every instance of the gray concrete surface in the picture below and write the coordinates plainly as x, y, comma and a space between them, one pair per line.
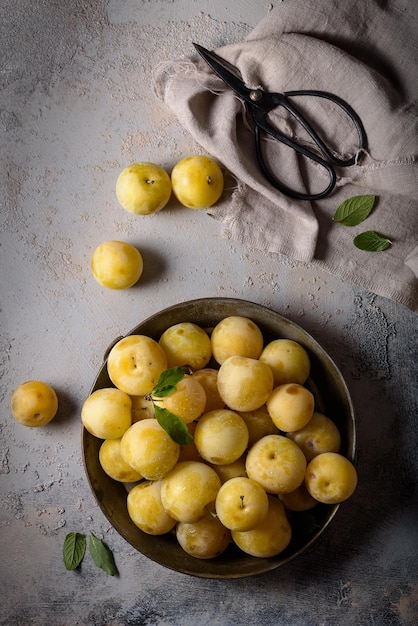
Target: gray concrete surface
76, 106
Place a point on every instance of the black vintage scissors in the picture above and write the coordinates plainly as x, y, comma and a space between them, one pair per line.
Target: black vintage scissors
260, 103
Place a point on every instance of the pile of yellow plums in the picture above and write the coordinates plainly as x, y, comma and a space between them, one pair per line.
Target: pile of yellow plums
145, 188
256, 448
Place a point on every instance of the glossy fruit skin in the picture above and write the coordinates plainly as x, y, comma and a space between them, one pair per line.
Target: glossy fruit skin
221, 436
186, 344
204, 539
288, 360
241, 504
135, 363
236, 335
187, 402
148, 449
290, 406
188, 489
197, 181
276, 463
208, 378
106, 413
230, 470
244, 383
319, 435
146, 510
116, 265
270, 537
143, 188
113, 463
330, 478
34, 403
259, 424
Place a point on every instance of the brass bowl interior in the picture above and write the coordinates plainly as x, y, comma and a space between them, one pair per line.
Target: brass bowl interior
331, 396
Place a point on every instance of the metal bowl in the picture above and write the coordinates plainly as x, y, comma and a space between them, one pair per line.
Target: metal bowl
331, 397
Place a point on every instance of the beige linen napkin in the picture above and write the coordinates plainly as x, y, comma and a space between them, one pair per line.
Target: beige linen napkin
366, 53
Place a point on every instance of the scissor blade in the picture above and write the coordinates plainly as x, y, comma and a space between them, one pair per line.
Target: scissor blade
219, 66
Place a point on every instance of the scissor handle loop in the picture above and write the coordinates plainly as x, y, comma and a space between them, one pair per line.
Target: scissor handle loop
350, 112
269, 101
260, 124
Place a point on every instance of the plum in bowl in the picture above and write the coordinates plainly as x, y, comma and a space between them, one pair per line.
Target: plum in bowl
331, 398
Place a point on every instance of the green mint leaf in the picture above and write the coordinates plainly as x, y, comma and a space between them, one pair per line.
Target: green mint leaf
371, 241
167, 382
354, 210
74, 550
102, 555
173, 426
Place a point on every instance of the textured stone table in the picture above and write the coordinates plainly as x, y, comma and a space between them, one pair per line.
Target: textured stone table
76, 106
